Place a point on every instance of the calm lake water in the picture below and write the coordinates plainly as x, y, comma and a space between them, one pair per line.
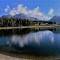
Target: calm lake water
31, 41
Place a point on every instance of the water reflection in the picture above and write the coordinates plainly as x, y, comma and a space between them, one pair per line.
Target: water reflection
33, 38
43, 42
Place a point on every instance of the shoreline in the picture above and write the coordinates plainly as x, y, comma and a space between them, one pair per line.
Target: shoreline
16, 56
41, 26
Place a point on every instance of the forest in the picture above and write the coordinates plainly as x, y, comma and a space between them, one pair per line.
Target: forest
14, 22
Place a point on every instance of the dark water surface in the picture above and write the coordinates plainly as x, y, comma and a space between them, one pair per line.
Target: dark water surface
31, 41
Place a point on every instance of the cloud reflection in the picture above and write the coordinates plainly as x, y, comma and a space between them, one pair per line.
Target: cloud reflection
33, 38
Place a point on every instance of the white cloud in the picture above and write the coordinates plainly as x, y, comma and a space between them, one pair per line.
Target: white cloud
36, 12
21, 9
12, 12
7, 8
51, 13
32, 13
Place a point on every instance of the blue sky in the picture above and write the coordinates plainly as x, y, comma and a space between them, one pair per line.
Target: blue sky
44, 5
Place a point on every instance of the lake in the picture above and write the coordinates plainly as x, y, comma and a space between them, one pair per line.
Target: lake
43, 42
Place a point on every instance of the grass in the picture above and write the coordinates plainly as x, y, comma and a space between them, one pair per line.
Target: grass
36, 26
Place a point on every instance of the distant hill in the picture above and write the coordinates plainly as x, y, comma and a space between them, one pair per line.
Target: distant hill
22, 17
56, 19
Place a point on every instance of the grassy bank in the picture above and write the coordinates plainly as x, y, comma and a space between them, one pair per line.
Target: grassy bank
38, 26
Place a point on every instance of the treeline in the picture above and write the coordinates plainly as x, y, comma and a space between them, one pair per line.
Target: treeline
14, 22
5, 22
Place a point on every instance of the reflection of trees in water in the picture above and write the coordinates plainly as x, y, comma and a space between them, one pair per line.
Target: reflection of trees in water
16, 31
20, 31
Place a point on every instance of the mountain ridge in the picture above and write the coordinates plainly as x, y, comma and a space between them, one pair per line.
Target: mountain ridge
22, 16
